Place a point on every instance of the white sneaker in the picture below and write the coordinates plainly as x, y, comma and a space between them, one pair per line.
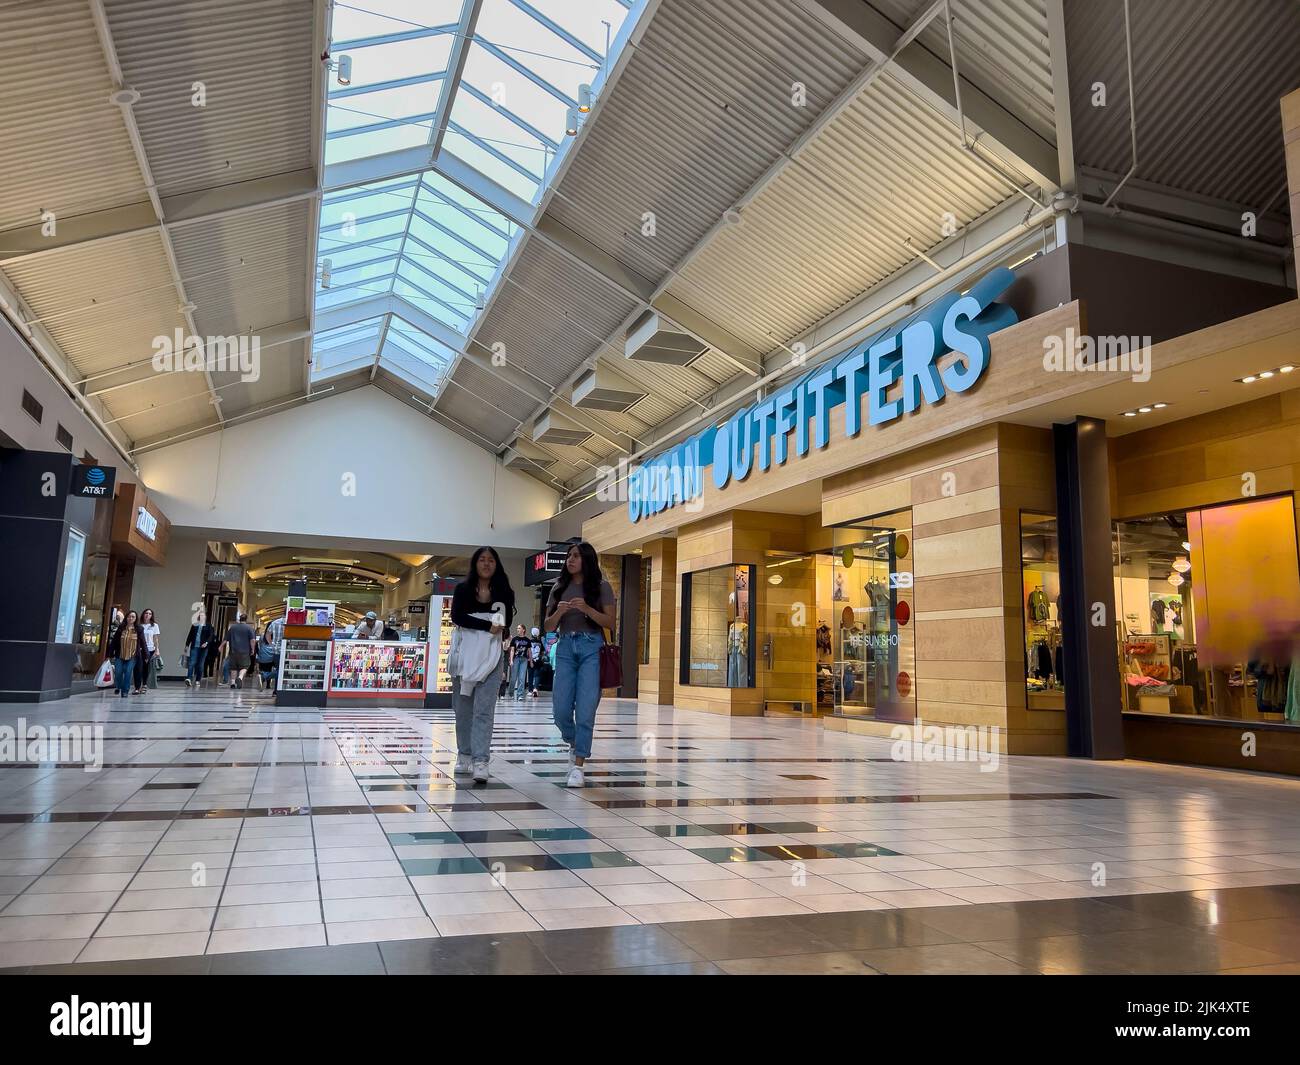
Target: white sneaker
463, 764
187, 683
576, 779
480, 772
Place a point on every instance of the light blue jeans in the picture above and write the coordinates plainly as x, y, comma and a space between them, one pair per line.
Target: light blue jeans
576, 691
518, 674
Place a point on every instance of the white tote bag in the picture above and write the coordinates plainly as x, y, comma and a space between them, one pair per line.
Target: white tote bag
104, 678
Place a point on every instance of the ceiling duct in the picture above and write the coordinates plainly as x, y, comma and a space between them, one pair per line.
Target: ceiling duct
651, 340
598, 389
549, 429
519, 456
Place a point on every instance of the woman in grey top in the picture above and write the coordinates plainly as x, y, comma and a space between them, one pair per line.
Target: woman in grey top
580, 608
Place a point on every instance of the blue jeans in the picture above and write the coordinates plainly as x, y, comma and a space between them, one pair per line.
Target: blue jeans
518, 674
124, 674
198, 655
576, 690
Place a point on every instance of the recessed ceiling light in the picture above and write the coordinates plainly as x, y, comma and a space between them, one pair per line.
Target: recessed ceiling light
1130, 414
1248, 380
1144, 410
1159, 406
1266, 374
1286, 369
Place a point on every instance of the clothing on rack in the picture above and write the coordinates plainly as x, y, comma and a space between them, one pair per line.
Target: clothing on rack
1037, 605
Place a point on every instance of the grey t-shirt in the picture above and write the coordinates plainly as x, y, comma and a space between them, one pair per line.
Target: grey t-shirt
575, 620
240, 637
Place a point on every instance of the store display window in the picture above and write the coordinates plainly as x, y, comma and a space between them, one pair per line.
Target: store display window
643, 623
1040, 595
1209, 612
865, 639
718, 638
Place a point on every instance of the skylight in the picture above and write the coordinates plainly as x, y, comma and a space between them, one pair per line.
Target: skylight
436, 152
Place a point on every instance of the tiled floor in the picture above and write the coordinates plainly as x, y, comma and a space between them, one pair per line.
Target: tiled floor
296, 840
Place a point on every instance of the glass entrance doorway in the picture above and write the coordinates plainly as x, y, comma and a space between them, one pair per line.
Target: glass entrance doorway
865, 647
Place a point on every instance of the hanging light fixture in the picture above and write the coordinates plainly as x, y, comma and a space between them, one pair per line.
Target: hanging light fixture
344, 70
1181, 565
584, 98
571, 122
1176, 579
325, 273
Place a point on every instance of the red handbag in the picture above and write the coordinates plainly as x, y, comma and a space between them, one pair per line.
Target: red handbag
611, 666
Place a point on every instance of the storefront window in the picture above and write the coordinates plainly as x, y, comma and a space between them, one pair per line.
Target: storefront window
65, 627
718, 627
1209, 612
1040, 571
866, 650
643, 625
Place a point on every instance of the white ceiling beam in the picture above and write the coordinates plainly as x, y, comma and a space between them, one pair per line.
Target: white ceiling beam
322, 31
79, 231
184, 307
455, 67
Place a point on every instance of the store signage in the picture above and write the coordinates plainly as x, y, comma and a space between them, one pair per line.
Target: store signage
92, 481
416, 608
221, 572
905, 355
545, 565
146, 524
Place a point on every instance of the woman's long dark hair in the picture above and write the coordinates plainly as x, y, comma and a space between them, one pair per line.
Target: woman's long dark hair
153, 618
500, 583
591, 575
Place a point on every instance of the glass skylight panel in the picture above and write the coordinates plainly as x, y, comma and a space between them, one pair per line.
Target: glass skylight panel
374, 18
345, 348
419, 236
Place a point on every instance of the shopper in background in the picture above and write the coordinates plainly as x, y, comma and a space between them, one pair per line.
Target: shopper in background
196, 649
368, 628
213, 666
390, 630
266, 657
518, 663
536, 652
150, 652
580, 608
239, 643
471, 606
124, 648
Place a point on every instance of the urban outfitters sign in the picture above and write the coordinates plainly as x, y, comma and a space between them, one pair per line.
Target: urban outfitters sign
906, 353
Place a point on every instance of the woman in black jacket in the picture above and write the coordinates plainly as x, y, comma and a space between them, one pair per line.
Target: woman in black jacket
486, 584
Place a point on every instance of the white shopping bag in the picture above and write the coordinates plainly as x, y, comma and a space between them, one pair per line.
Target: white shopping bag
104, 678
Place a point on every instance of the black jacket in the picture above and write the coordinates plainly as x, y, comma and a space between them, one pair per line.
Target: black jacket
464, 602
115, 641
199, 634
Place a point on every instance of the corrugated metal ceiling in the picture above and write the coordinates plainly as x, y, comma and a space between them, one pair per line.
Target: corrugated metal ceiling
1207, 80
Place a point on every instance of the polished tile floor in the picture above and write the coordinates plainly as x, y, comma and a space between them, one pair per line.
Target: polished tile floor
224, 834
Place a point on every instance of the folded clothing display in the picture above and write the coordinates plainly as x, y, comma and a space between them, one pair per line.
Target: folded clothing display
1140, 647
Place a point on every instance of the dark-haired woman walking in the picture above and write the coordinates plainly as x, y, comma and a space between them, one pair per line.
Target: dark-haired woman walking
124, 648
580, 608
483, 602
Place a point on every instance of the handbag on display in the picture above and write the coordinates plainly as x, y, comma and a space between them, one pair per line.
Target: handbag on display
104, 678
611, 666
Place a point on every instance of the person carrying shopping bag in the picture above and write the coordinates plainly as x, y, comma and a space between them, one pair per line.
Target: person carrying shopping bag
124, 648
482, 608
580, 608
